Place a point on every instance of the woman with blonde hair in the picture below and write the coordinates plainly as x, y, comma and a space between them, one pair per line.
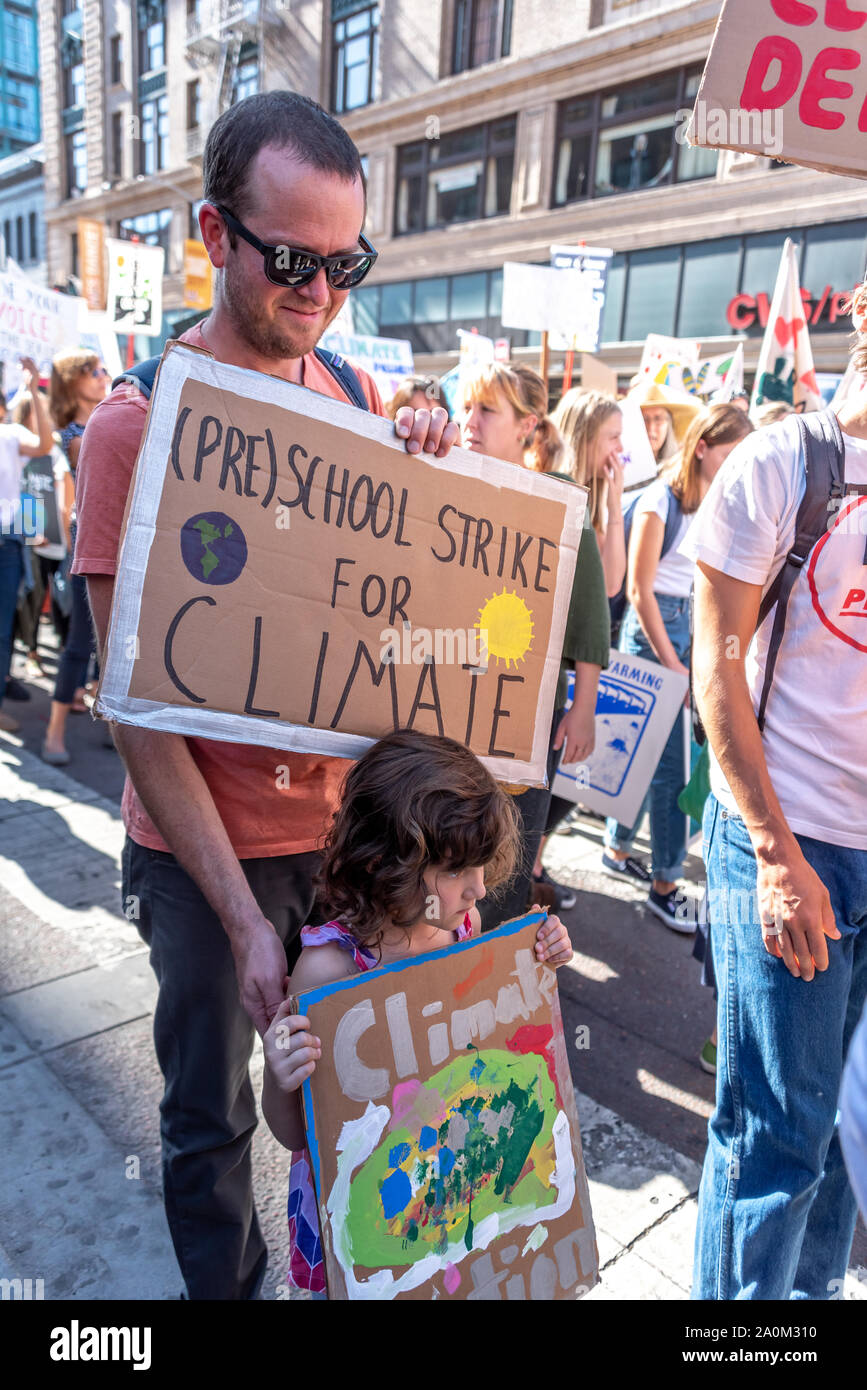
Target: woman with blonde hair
656, 626
420, 392
591, 423
79, 381
503, 413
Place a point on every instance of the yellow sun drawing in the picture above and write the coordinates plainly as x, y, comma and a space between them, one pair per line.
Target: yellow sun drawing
506, 627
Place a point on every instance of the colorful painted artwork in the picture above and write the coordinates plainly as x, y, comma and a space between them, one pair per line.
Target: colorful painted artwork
446, 1155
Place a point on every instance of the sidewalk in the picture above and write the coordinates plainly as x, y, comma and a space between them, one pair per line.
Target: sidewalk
80, 1203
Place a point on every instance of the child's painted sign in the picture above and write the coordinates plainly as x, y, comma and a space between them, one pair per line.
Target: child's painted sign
777, 83
442, 1129
290, 576
637, 704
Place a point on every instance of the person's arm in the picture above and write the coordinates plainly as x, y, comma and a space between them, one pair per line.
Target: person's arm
179, 802
291, 1050
791, 896
35, 443
645, 549
577, 728
67, 507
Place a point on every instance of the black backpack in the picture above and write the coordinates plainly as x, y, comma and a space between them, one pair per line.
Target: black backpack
618, 604
144, 375
825, 466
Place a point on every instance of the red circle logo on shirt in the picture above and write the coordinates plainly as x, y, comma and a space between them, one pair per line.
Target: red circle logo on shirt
839, 599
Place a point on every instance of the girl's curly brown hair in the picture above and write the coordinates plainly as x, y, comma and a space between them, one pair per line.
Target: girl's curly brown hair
411, 801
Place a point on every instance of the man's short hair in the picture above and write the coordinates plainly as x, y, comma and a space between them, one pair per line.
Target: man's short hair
282, 120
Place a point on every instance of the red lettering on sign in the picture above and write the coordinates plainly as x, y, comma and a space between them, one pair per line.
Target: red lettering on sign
793, 12
818, 85
741, 312
763, 305
838, 16
839, 307
754, 97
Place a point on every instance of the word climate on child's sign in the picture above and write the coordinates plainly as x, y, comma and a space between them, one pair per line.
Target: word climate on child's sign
275, 537
442, 1130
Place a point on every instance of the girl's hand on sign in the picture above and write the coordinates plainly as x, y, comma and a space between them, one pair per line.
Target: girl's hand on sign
291, 1051
552, 941
427, 431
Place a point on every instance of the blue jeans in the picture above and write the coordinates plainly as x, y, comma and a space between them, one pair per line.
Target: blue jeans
667, 821
11, 570
776, 1214
74, 661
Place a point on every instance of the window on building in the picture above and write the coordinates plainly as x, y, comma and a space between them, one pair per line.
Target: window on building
70, 6
834, 255
7, 237
710, 268
154, 147
115, 62
482, 32
612, 313
623, 140
194, 104
33, 236
73, 252
246, 79
354, 55
22, 107
152, 44
73, 84
762, 252
117, 144
76, 163
651, 294
467, 174
153, 228
20, 41
20, 251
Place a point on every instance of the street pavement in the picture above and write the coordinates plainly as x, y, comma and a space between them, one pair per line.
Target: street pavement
80, 1204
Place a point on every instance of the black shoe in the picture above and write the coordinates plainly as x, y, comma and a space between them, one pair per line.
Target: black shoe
630, 868
566, 897
670, 909
15, 690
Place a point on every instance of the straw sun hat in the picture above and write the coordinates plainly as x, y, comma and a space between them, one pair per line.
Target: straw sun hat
681, 407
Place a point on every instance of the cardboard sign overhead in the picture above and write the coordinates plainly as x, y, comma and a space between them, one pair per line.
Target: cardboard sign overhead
290, 576
442, 1130
786, 78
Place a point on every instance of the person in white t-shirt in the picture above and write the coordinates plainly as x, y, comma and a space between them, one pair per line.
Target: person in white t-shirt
785, 834
656, 626
16, 446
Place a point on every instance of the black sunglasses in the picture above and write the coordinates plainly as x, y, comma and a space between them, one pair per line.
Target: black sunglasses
291, 266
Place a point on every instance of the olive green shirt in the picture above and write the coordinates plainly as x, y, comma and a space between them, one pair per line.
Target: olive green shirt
588, 622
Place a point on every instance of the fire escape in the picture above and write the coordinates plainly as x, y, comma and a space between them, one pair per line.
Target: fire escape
225, 38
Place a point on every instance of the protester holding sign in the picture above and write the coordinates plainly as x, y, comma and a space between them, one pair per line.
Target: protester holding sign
590, 423
504, 416
16, 445
781, 684
666, 415
422, 831
223, 838
656, 625
79, 381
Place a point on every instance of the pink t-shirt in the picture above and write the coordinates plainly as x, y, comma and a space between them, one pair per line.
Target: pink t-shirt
261, 819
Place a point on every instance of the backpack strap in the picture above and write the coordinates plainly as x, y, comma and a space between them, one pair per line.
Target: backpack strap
824, 463
142, 376
344, 376
673, 518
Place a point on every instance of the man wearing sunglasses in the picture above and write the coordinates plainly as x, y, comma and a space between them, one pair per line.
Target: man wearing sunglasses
220, 853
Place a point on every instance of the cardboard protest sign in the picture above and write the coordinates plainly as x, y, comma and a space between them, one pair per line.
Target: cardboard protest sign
442, 1130
636, 707
545, 300
289, 576
389, 360
777, 83
135, 287
34, 322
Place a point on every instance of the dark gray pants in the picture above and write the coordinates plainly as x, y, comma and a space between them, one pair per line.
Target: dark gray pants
204, 1039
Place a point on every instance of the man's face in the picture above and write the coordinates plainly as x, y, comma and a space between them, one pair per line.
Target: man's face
288, 203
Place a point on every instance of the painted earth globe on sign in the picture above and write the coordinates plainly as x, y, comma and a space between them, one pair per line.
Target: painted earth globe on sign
213, 548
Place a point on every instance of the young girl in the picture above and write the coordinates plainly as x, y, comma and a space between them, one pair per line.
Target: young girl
421, 827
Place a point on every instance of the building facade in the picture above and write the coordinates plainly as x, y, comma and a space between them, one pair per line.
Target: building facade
490, 129
19, 76
22, 210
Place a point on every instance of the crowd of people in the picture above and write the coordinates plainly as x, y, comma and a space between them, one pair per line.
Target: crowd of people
249, 892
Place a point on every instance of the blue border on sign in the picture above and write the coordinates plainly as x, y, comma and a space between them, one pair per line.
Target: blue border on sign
314, 996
